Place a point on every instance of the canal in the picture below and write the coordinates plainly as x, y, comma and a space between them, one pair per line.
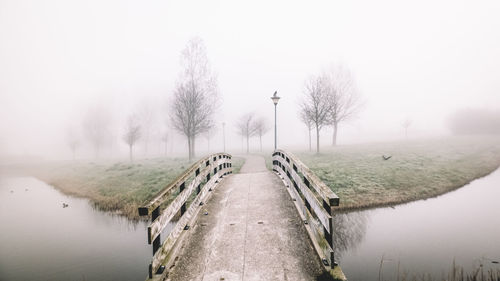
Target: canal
423, 237
41, 240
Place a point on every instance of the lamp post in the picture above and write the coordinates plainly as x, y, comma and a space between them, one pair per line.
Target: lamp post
275, 99
224, 135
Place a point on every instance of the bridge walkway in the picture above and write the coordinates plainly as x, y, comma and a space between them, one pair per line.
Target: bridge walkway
248, 230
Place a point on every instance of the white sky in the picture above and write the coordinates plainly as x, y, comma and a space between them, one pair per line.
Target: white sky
419, 60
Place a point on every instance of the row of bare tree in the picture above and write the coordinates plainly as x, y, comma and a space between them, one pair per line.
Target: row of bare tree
249, 126
191, 110
330, 98
98, 131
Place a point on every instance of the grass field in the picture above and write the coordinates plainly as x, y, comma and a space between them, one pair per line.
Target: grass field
356, 173
416, 170
119, 187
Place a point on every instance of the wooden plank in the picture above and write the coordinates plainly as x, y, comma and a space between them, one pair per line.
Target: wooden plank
292, 191
162, 255
311, 199
315, 226
164, 194
317, 207
159, 224
317, 230
199, 170
321, 188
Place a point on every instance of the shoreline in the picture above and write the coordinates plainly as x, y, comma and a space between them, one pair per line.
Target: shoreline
131, 212
96, 203
119, 188
357, 174
340, 210
377, 205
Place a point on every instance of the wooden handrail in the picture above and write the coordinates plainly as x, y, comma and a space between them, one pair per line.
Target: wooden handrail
201, 178
313, 198
165, 193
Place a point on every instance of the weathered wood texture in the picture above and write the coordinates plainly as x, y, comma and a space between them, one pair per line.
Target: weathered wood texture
313, 199
201, 177
164, 194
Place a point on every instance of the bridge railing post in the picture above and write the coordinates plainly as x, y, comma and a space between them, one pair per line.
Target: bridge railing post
195, 182
313, 199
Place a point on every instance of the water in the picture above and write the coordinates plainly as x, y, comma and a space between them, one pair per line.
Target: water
41, 240
424, 236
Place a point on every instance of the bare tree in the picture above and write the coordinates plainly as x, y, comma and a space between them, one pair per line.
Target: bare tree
342, 94
96, 127
73, 141
303, 115
261, 128
132, 133
406, 124
195, 96
246, 127
315, 105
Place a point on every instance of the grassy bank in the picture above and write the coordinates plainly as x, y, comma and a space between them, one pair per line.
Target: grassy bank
119, 187
417, 169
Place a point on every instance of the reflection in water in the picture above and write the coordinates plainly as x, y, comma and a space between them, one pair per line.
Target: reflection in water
349, 231
423, 237
41, 240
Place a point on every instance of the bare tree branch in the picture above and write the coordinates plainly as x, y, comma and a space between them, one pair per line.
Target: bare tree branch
261, 127
132, 133
306, 119
315, 106
195, 96
247, 128
342, 94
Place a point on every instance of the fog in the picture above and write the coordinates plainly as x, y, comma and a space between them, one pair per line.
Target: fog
60, 60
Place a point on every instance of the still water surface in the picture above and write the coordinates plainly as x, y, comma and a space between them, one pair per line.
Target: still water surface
41, 240
424, 236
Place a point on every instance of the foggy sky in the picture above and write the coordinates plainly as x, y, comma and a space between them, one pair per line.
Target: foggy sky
419, 60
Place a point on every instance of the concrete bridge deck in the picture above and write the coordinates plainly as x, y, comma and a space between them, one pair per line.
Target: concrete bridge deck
252, 232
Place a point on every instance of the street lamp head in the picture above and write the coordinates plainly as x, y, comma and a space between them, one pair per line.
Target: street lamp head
275, 98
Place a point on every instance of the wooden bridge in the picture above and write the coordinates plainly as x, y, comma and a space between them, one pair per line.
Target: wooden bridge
254, 225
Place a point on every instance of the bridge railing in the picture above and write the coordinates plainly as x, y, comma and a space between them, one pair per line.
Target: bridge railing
313, 198
193, 186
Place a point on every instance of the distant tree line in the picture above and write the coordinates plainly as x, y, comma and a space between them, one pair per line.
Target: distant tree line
190, 111
329, 99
